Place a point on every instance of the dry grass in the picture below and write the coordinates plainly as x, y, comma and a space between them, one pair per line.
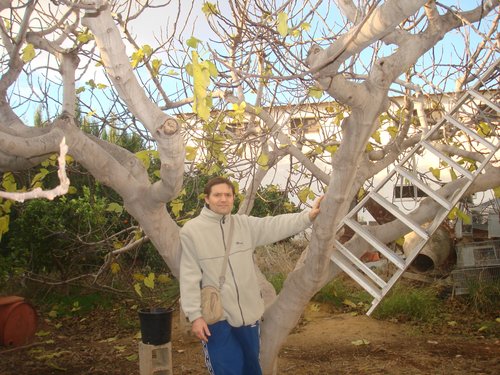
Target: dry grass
279, 258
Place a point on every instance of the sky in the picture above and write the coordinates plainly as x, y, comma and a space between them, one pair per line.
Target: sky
156, 22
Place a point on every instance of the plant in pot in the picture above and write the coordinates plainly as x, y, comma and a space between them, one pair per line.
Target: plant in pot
157, 296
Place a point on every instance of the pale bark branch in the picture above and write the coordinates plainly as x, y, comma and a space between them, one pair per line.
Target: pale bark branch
61, 189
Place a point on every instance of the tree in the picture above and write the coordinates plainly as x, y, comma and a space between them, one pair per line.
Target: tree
267, 56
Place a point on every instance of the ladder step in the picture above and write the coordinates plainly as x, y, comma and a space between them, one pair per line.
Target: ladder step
485, 100
372, 240
340, 260
400, 215
426, 188
470, 132
448, 160
355, 261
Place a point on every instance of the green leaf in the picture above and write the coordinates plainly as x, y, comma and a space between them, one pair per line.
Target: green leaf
39, 176
376, 136
332, 149
435, 172
4, 225
114, 207
84, 37
143, 156
453, 175
283, 24
176, 206
28, 53
361, 193
484, 129
201, 80
209, 9
349, 303
305, 26
137, 288
466, 219
212, 69
9, 182
147, 50
263, 161
315, 92
496, 191
452, 214
137, 57
303, 194
42, 333
156, 64
149, 280
115, 268
132, 358
393, 131
193, 42
191, 153
79, 90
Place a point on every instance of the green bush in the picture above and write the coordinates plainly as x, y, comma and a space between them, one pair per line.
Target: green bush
62, 237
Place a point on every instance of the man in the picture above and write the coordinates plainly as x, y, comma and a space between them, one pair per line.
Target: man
231, 345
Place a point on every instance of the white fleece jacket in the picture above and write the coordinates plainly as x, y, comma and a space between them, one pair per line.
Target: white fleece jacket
203, 255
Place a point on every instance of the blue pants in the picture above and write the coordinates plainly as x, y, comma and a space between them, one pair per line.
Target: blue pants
233, 350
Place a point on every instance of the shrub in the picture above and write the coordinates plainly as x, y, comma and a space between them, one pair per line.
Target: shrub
63, 236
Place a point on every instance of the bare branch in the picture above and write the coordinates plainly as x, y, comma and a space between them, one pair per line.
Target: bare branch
61, 189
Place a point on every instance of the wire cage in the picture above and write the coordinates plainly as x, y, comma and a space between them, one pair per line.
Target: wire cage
475, 254
465, 279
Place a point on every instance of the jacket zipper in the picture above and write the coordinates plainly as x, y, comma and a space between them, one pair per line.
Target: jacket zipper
231, 268
237, 294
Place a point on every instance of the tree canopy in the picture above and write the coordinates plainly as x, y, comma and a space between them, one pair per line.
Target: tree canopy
221, 95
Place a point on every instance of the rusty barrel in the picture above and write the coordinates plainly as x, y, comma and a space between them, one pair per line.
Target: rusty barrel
17, 321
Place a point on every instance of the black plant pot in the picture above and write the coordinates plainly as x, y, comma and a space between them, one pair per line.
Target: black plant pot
156, 325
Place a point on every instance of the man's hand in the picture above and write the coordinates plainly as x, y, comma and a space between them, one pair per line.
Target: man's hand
315, 208
200, 329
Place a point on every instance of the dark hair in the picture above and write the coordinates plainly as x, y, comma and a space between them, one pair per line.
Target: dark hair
217, 181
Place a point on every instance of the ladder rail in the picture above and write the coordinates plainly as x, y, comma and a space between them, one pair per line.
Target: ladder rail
350, 263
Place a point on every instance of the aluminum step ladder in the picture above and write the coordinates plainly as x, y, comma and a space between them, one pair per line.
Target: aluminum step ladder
481, 101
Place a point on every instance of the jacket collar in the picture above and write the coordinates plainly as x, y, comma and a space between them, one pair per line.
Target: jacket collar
208, 214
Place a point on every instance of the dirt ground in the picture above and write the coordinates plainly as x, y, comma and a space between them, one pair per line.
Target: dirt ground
106, 342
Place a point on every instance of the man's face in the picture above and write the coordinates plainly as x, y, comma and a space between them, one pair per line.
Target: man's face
221, 199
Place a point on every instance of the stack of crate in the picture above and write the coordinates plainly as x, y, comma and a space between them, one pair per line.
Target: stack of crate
477, 263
